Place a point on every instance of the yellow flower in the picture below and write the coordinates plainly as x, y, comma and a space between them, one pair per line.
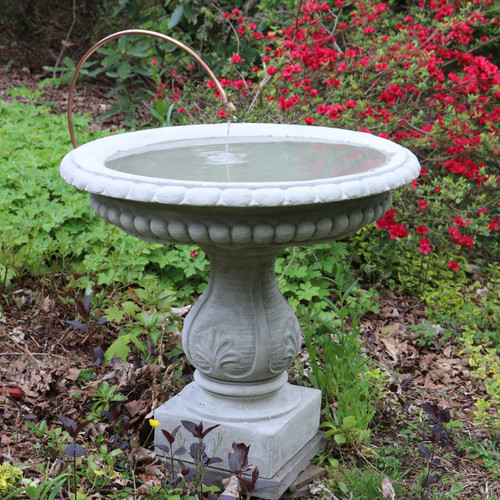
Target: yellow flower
154, 423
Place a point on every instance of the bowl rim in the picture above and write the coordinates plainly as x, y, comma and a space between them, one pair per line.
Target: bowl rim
85, 168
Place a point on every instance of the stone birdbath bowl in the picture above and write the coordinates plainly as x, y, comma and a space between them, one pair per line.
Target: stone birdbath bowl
242, 193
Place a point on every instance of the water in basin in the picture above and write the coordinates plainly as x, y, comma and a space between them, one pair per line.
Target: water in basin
247, 160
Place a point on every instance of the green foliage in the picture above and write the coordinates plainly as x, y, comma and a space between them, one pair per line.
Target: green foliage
301, 272
363, 483
47, 226
426, 333
100, 469
105, 396
40, 490
338, 366
483, 452
10, 476
144, 330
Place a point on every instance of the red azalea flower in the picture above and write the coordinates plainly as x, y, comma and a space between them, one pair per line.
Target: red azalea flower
425, 246
422, 204
453, 265
236, 58
459, 221
193, 253
221, 113
467, 241
422, 230
397, 231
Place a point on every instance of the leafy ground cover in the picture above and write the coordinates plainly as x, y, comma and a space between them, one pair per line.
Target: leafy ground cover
90, 317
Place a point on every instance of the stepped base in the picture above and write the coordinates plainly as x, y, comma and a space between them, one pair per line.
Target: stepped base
279, 442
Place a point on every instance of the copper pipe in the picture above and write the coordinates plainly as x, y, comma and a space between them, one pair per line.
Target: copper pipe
135, 32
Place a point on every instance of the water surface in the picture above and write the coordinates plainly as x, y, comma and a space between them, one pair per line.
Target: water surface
247, 160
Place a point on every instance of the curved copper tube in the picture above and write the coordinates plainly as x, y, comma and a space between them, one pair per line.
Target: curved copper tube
136, 32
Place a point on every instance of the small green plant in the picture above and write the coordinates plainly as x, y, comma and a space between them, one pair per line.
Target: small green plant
50, 441
338, 366
103, 399
365, 483
100, 469
145, 330
427, 334
484, 452
40, 490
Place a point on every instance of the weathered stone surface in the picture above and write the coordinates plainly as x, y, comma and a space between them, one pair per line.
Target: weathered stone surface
277, 427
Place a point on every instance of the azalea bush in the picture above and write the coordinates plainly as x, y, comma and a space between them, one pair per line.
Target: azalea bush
413, 78
418, 77
423, 77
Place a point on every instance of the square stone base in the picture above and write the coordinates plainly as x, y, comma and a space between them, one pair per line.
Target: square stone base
280, 447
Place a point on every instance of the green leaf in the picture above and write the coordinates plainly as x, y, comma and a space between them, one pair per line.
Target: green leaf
343, 487
48, 486
114, 313
124, 70
176, 16
130, 308
157, 115
349, 422
56, 489
340, 439
119, 347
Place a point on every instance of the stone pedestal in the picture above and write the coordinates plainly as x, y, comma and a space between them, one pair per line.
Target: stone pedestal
241, 336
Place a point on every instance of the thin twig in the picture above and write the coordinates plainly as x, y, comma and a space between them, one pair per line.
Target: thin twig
31, 354
294, 253
66, 41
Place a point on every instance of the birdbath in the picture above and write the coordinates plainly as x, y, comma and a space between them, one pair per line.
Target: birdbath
243, 194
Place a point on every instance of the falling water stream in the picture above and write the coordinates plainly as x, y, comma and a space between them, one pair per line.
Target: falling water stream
227, 151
